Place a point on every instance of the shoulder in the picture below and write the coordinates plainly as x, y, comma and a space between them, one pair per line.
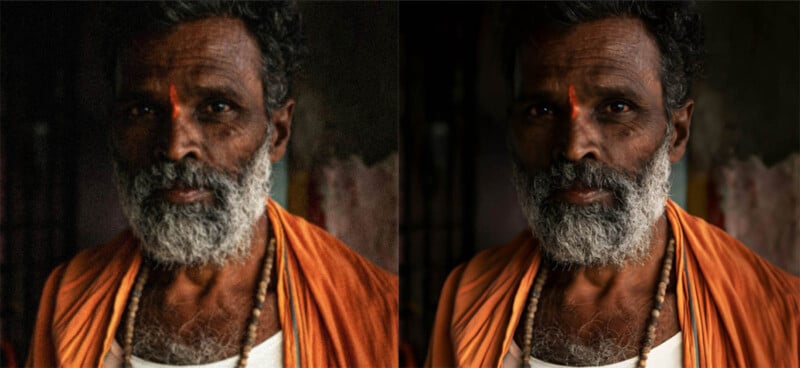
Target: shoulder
734, 274
333, 260
76, 301
740, 293
97, 259
715, 247
495, 269
497, 259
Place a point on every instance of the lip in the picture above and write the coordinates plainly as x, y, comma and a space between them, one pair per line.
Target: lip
182, 195
584, 196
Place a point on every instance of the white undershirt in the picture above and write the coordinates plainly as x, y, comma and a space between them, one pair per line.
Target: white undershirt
266, 354
667, 355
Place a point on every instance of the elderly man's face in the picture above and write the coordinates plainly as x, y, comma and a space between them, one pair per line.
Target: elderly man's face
191, 141
192, 94
588, 137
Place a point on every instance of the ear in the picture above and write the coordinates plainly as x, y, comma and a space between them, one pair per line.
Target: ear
282, 125
681, 122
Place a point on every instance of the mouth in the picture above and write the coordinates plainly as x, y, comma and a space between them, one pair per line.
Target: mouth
181, 193
582, 196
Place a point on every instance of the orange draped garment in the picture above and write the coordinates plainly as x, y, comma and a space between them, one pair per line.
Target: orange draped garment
735, 308
335, 307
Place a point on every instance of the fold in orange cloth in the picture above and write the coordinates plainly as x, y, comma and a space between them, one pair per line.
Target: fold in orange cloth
335, 307
735, 309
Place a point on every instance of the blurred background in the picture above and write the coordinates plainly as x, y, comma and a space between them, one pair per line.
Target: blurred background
57, 194
742, 171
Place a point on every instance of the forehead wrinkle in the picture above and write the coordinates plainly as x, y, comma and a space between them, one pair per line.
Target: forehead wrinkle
209, 71
558, 78
193, 65
585, 77
204, 76
188, 44
619, 43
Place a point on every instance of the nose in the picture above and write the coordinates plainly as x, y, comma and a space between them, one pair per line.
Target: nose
182, 137
181, 141
580, 134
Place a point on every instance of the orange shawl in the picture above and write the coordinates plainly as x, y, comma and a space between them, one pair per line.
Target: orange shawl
336, 308
735, 308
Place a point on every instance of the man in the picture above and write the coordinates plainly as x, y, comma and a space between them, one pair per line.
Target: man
611, 271
211, 272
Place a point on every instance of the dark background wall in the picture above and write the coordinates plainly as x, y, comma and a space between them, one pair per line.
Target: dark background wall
749, 98
56, 180
458, 196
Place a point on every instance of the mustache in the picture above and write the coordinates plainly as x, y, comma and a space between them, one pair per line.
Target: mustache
164, 175
563, 174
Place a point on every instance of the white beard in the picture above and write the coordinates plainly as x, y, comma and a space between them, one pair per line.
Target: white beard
195, 234
595, 235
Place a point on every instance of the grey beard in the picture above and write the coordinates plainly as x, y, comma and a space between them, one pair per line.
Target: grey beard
596, 234
556, 346
154, 343
195, 234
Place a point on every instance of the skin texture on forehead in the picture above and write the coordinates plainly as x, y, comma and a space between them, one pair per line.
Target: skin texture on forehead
610, 48
219, 45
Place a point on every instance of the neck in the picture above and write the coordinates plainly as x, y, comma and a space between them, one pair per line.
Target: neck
196, 282
593, 283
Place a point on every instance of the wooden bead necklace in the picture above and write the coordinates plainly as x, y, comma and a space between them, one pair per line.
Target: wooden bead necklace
252, 327
650, 337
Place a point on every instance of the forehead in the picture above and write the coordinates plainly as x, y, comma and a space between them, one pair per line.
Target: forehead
606, 51
217, 46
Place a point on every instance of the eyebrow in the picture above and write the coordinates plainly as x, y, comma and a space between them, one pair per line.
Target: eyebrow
549, 95
142, 93
137, 94
615, 91
214, 91
536, 95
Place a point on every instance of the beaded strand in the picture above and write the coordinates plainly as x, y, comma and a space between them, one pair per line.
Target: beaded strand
658, 304
533, 304
261, 297
133, 308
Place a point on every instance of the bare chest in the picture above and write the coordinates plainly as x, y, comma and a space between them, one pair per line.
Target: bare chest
198, 333
591, 334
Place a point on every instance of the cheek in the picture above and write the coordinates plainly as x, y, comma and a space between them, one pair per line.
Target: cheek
133, 143
232, 149
532, 145
633, 151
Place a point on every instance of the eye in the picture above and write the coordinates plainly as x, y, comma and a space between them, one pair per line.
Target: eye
541, 110
141, 111
218, 107
617, 107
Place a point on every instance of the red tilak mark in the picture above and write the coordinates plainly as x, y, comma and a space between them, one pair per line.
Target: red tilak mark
573, 102
173, 99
